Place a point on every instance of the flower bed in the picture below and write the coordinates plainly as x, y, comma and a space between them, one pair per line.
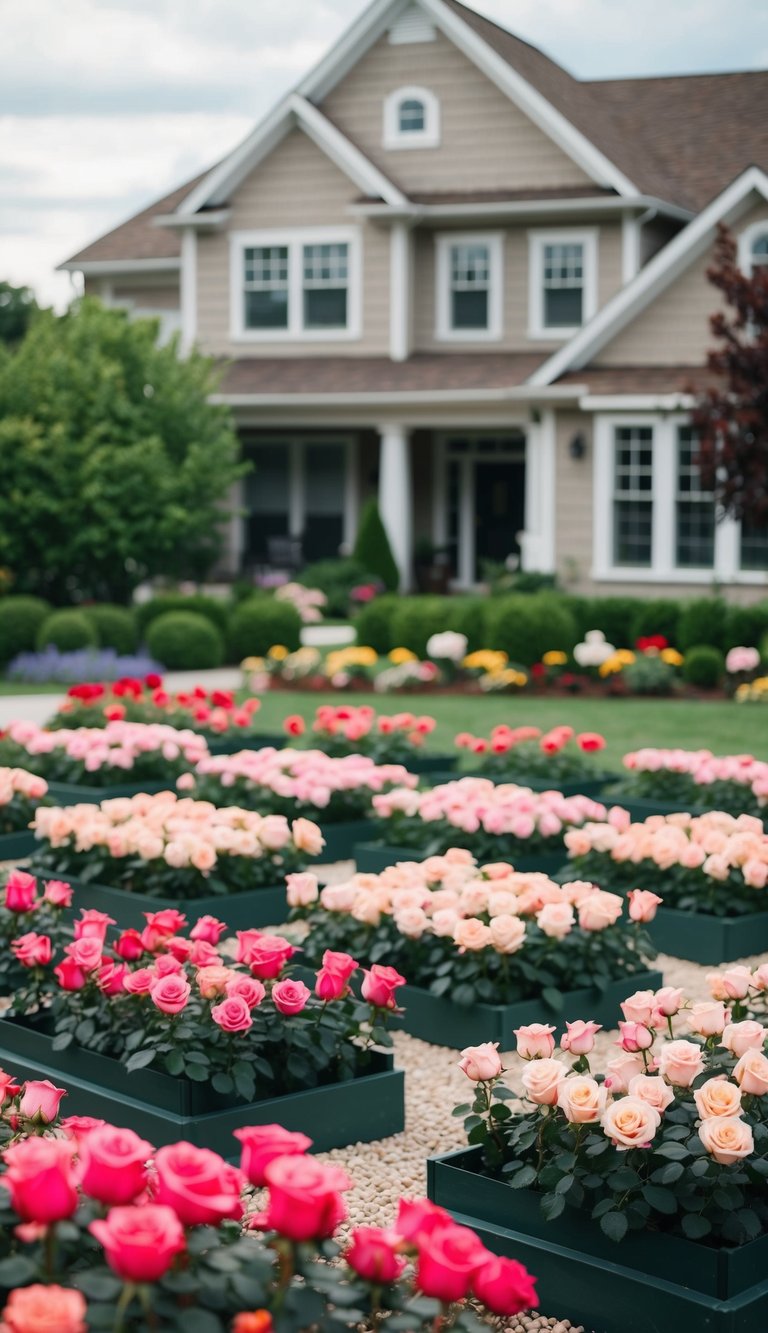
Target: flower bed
492, 821
338, 792
216, 1031
648, 1181
541, 760
20, 795
694, 780
136, 854
396, 738
217, 714
100, 759
483, 947
103, 1232
712, 870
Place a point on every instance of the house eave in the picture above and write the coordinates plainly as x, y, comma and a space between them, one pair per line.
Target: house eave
213, 220
565, 394
521, 208
104, 267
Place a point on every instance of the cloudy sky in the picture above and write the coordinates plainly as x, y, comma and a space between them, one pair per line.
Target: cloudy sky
106, 104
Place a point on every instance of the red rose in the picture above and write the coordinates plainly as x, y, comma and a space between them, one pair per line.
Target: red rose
115, 712
20, 891
305, 1200
40, 1101
69, 975
233, 1014
373, 1254
290, 997
198, 1185
340, 964
261, 1144
32, 950
114, 1164
379, 986
153, 681
140, 1243
41, 1179
448, 1259
294, 725
504, 1286
129, 945
590, 740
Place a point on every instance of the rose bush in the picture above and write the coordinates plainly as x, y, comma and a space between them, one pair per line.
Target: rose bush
98, 756
385, 738
165, 846
135, 699
714, 863
31, 927
493, 821
471, 932
20, 794
737, 783
520, 753
671, 1137
295, 782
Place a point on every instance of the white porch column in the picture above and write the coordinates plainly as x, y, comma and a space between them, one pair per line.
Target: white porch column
395, 497
537, 542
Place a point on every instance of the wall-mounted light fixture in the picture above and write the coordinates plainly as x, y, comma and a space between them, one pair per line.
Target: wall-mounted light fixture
578, 446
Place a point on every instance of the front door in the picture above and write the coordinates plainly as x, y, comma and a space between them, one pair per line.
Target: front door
499, 510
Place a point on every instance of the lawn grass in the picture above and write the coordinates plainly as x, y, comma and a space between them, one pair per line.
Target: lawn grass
722, 726
24, 687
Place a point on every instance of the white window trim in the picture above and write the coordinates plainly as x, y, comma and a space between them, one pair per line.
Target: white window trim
725, 567
394, 137
294, 238
537, 240
443, 329
747, 239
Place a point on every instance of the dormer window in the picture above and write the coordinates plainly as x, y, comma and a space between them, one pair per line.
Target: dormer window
411, 119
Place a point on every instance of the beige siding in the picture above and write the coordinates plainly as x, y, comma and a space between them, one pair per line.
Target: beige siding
486, 142
515, 306
573, 502
674, 329
296, 185
149, 298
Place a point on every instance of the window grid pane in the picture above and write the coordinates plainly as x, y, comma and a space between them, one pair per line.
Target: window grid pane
633, 503
470, 267
694, 509
411, 115
563, 281
326, 265
564, 265
266, 267
754, 546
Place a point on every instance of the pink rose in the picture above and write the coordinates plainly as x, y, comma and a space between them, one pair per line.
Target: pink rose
301, 889
92, 924
290, 997
266, 955
556, 920
634, 1037
735, 983
373, 1253
727, 1138
379, 986
504, 1286
208, 928
41, 1179
40, 1101
621, 1070
20, 891
261, 1144
742, 1037
639, 1008
541, 1080
305, 1200
140, 1243
57, 893
630, 1122
708, 1018
599, 910
448, 1262
247, 988
669, 1000
32, 950
751, 1073
69, 975
86, 952
535, 1041
129, 946
579, 1037
680, 1062
651, 1089
482, 1063
643, 904
169, 994
139, 982
233, 1014
114, 1164
200, 1187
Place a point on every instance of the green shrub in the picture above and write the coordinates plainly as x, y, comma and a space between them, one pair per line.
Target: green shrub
372, 548
185, 641
703, 666
416, 619
115, 627
68, 631
763, 646
702, 622
527, 627
336, 578
615, 616
374, 624
580, 609
467, 615
20, 620
657, 617
745, 625
213, 608
649, 674
258, 624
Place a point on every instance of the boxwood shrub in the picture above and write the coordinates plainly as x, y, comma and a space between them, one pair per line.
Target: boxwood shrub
416, 619
67, 630
661, 616
703, 666
703, 621
214, 609
20, 620
185, 641
258, 624
745, 625
527, 627
374, 624
115, 627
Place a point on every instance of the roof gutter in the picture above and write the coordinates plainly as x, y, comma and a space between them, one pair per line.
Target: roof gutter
520, 208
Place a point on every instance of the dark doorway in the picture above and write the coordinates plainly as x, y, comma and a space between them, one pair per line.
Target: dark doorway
499, 510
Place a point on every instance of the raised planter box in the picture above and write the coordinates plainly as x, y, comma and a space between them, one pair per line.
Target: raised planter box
73, 793
648, 1283
241, 911
233, 744
443, 765
708, 939
14, 845
373, 857
342, 838
166, 1109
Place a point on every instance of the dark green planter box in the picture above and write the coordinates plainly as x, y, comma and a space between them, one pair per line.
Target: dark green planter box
437, 1019
233, 744
648, 1283
166, 1109
589, 787
241, 911
373, 857
342, 838
433, 764
73, 793
640, 810
13, 845
708, 939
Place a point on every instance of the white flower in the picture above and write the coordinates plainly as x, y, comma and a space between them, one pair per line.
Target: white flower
449, 646
594, 650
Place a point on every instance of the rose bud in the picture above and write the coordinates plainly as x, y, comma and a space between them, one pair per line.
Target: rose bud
114, 1164
579, 1037
40, 1101
643, 904
634, 1037
482, 1063
261, 1144
373, 1254
20, 891
379, 986
669, 1000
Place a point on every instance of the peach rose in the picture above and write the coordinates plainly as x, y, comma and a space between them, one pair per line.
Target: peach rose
556, 920
733, 983
472, 934
599, 910
751, 1073
307, 837
301, 889
680, 1062
669, 1000
541, 1080
651, 1089
535, 1041
212, 980
581, 1099
630, 1122
621, 1070
481, 1063
717, 1097
639, 1008
643, 904
507, 933
708, 1018
746, 1036
727, 1138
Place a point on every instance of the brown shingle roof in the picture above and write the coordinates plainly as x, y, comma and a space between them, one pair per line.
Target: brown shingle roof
138, 238
640, 379
423, 372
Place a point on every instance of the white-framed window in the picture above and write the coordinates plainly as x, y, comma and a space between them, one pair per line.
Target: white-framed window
297, 284
469, 284
411, 119
753, 246
652, 520
562, 281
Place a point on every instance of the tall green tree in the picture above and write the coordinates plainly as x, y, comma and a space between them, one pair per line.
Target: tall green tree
114, 465
17, 306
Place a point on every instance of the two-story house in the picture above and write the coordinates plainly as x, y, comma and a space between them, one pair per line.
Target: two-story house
446, 271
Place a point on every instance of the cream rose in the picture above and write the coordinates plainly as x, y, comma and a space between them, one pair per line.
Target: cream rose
751, 1073
727, 1138
717, 1097
742, 1037
581, 1100
599, 910
472, 934
680, 1062
507, 933
541, 1080
630, 1122
639, 1008
651, 1089
556, 920
708, 1018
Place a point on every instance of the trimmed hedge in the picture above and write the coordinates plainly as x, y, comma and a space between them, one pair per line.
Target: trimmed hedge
213, 608
658, 617
703, 621
416, 619
185, 641
260, 623
615, 616
68, 631
527, 627
374, 623
745, 625
20, 620
704, 666
115, 627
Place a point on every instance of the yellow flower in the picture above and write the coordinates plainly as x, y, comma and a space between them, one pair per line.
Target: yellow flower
252, 664
672, 657
399, 656
555, 658
278, 651
616, 662
485, 659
